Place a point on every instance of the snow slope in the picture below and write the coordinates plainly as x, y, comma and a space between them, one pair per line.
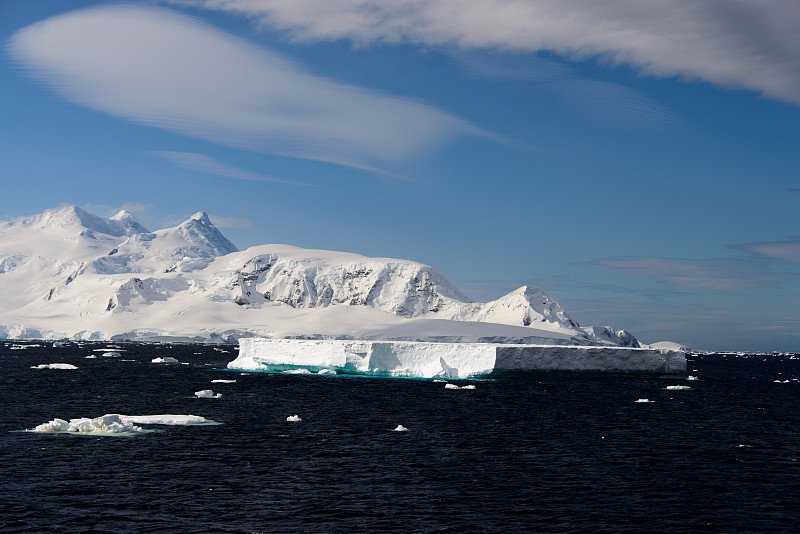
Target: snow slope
66, 273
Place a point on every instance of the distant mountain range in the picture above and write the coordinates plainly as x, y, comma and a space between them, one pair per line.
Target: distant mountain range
66, 273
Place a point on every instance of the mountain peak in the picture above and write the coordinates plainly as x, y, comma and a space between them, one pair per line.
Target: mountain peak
68, 217
200, 216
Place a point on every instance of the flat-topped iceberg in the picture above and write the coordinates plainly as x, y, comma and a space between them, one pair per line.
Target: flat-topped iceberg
450, 360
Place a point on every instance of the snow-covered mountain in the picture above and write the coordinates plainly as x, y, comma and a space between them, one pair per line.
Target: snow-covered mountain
66, 273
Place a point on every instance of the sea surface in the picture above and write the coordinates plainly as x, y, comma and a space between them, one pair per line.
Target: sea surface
541, 453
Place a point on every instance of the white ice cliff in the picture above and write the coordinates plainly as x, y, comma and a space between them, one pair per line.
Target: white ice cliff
446, 360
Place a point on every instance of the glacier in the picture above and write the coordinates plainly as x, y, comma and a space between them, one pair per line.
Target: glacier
447, 360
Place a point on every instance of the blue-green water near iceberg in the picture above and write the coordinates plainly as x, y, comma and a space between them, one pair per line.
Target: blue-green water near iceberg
543, 453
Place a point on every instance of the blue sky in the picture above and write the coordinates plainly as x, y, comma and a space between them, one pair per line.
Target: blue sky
638, 162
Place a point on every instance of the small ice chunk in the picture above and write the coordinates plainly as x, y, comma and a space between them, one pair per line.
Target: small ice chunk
400, 428
674, 388
326, 372
165, 359
692, 377
111, 354
207, 394
294, 418
54, 366
643, 400
91, 357
222, 381
453, 386
297, 372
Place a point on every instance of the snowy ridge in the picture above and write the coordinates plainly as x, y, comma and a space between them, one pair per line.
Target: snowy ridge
66, 273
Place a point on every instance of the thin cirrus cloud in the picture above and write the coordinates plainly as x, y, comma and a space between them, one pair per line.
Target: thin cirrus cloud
156, 67
786, 249
751, 44
726, 275
608, 103
208, 165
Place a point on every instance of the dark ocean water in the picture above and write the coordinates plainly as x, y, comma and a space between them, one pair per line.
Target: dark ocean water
543, 453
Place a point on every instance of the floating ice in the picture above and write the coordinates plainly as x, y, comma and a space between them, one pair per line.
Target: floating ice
781, 381
54, 366
692, 377
105, 425
118, 425
167, 419
677, 387
294, 418
207, 394
643, 400
453, 386
165, 359
222, 381
111, 354
326, 372
446, 360
400, 428
297, 372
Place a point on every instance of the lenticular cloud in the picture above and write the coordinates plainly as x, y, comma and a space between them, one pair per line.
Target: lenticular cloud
734, 43
156, 67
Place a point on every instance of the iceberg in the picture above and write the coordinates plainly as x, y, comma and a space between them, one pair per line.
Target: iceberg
447, 360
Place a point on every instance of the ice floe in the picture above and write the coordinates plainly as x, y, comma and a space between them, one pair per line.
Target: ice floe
692, 377
169, 419
454, 386
677, 388
54, 366
400, 428
117, 424
207, 394
223, 381
294, 418
643, 401
165, 359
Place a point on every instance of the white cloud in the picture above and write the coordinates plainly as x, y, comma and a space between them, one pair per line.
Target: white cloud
751, 44
786, 250
208, 165
156, 67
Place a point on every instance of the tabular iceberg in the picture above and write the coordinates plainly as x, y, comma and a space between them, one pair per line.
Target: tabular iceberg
450, 360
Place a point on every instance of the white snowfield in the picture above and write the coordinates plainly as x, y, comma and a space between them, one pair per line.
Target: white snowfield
66, 273
446, 360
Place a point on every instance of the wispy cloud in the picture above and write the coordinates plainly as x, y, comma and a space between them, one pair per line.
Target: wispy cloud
786, 250
727, 275
136, 207
156, 67
230, 222
751, 44
209, 165
599, 101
